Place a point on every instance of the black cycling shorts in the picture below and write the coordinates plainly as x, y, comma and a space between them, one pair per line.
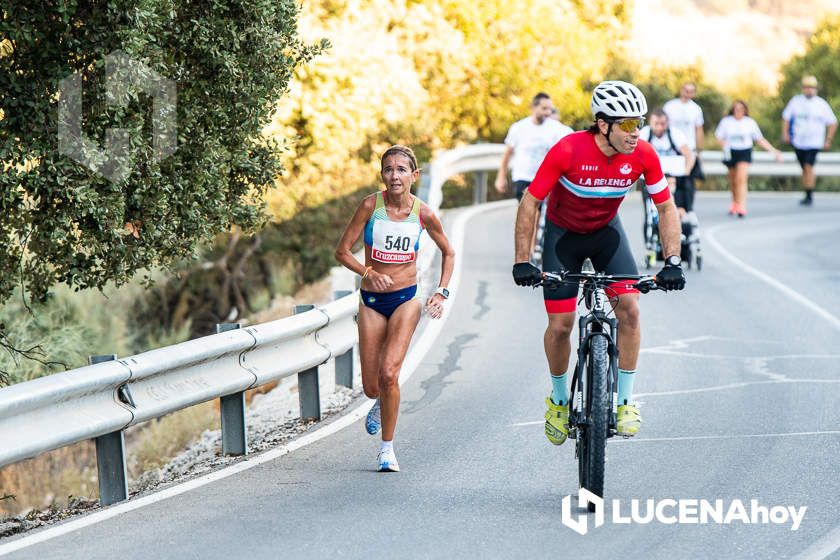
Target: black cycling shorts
806, 157
608, 248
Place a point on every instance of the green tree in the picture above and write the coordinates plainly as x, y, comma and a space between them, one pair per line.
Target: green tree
60, 222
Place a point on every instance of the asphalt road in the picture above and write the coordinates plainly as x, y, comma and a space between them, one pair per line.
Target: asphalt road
739, 383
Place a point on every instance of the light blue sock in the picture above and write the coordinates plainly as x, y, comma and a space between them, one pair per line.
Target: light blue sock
625, 385
559, 391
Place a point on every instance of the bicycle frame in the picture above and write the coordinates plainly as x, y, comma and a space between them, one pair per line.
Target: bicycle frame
593, 407
593, 324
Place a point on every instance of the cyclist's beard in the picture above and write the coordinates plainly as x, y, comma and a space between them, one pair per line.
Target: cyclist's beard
627, 149
609, 142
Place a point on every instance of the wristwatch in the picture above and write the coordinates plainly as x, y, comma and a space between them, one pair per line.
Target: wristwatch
443, 291
673, 260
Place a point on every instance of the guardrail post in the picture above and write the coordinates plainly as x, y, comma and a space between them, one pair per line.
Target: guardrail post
344, 362
232, 412
110, 457
308, 390
480, 188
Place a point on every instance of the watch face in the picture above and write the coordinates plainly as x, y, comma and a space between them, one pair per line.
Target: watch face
674, 260
444, 292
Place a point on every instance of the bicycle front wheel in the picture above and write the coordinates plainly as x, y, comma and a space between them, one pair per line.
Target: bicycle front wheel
593, 438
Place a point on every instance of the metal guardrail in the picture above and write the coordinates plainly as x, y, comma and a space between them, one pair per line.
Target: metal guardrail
101, 400
481, 158
763, 164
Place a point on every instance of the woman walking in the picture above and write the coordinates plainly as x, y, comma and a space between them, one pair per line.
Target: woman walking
391, 221
736, 133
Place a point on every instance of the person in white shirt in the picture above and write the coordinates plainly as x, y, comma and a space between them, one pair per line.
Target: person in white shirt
685, 115
804, 122
674, 153
677, 160
527, 142
736, 133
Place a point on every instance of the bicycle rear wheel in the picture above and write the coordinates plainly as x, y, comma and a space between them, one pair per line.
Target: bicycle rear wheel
592, 440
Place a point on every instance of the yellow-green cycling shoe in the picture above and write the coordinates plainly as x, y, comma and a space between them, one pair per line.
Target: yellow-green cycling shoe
628, 420
556, 422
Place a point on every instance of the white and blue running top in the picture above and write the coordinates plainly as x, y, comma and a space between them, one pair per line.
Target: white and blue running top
393, 241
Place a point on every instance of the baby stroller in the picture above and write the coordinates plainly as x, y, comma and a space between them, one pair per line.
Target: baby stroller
690, 251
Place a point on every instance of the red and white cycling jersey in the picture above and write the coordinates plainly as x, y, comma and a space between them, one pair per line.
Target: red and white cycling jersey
587, 187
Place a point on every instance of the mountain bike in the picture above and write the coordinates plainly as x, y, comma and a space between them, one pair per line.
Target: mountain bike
594, 388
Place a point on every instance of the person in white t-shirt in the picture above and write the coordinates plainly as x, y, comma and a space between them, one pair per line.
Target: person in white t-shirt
685, 115
527, 142
677, 160
804, 123
675, 155
736, 133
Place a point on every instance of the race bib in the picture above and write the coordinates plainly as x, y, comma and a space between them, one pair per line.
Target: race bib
394, 242
673, 165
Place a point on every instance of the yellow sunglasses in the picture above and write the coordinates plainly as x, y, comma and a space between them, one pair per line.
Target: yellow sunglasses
630, 125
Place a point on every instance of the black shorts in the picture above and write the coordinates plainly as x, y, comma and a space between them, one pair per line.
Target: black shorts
519, 188
684, 193
608, 248
806, 157
737, 156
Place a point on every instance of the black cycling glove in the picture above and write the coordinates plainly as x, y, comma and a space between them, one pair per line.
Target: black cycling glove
671, 277
526, 274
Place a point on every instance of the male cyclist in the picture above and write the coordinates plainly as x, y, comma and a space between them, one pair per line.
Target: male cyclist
588, 173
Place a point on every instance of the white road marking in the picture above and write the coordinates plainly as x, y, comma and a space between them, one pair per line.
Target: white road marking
822, 548
786, 290
733, 386
418, 350
732, 436
693, 438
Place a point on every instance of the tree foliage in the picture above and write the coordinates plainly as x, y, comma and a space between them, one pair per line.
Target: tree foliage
664, 84
431, 74
60, 222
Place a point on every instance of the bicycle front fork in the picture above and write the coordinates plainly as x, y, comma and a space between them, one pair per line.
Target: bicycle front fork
589, 326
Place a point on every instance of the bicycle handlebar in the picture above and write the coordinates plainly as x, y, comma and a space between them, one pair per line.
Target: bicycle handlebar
643, 283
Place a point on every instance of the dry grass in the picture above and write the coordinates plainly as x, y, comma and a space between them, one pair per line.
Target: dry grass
284, 306
50, 478
152, 444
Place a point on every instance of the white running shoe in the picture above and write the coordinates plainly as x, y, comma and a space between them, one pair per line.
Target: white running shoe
373, 422
387, 461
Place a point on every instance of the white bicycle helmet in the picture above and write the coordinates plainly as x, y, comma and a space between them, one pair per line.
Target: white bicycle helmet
617, 99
